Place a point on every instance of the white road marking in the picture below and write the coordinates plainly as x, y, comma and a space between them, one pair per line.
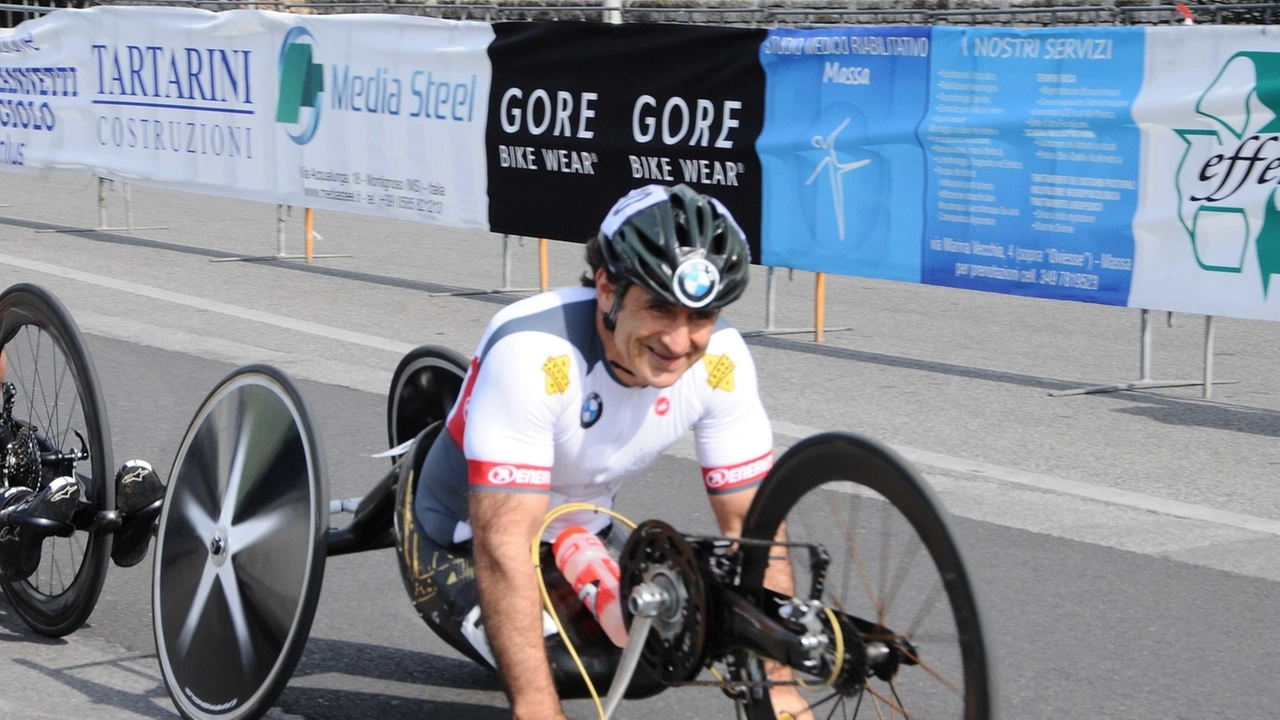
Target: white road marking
281, 321
1113, 496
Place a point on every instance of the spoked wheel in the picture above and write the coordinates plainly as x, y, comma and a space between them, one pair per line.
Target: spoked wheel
241, 548
59, 403
896, 581
424, 388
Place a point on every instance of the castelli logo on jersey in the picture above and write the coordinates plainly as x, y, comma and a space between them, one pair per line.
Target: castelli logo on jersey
662, 406
507, 474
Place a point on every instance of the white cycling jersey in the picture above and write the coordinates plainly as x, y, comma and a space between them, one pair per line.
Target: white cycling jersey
542, 411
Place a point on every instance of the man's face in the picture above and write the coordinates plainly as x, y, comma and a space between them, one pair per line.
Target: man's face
656, 340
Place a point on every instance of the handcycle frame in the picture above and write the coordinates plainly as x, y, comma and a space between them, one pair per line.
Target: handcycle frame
704, 597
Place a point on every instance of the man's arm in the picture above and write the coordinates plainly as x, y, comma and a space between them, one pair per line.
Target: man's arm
731, 511
504, 525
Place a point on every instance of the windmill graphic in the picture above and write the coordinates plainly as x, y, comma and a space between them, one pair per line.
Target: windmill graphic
835, 171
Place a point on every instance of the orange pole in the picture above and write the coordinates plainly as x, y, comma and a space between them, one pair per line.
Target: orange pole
542, 263
310, 223
819, 298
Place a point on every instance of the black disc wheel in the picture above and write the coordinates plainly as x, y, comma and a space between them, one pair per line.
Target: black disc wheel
895, 578
58, 399
241, 548
424, 388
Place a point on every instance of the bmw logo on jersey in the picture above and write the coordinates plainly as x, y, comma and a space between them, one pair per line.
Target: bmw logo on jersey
696, 282
592, 408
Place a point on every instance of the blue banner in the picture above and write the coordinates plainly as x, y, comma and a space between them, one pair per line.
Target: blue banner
1033, 161
843, 171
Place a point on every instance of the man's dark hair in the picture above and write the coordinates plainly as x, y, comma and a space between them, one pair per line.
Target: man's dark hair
596, 261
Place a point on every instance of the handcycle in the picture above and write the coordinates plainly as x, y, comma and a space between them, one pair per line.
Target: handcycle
53, 423
877, 617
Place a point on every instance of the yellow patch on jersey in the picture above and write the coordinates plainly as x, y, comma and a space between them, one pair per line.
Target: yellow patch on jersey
719, 372
557, 370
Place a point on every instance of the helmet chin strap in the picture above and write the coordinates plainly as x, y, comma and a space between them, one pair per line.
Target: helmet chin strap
611, 317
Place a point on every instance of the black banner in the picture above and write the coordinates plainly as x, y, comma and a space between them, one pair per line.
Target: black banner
582, 113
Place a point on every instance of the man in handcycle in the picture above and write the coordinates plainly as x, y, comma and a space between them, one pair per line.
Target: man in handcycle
571, 392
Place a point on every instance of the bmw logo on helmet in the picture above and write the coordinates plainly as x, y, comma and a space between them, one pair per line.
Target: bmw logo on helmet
592, 408
696, 282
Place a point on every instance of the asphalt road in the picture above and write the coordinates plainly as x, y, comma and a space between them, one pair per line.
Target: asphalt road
1125, 545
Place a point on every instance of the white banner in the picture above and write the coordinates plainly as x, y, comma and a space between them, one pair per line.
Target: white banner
381, 115
386, 115
1207, 228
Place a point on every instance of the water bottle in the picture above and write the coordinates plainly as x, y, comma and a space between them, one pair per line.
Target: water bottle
587, 565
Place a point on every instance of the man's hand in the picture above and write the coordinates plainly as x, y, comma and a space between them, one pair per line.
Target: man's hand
731, 511
786, 699
504, 525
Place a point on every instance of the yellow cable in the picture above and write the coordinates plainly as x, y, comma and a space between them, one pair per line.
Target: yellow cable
546, 597
839, 664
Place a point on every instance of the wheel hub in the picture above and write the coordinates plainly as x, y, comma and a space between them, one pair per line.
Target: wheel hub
218, 547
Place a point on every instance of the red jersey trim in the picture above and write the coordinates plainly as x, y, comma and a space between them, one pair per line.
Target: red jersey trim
456, 424
508, 476
735, 477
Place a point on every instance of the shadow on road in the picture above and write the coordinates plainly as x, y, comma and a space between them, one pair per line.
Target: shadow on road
324, 655
321, 704
1199, 413
340, 679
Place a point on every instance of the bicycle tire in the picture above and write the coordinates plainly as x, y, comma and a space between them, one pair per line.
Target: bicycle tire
424, 387
866, 479
37, 330
241, 548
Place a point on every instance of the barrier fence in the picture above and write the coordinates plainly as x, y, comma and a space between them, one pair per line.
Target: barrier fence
1118, 165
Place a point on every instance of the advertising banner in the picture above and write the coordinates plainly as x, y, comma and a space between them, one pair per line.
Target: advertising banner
1032, 161
1123, 166
1207, 229
41, 74
373, 114
843, 171
383, 115
176, 97
582, 113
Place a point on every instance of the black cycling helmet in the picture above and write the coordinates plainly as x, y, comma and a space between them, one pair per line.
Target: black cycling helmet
676, 243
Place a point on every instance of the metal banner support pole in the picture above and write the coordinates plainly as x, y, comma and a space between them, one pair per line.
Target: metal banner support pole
1144, 381
506, 261
1208, 357
102, 203
102, 214
613, 11
770, 307
282, 214
506, 275
770, 298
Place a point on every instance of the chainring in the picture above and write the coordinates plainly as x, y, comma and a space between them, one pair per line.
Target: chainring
656, 553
